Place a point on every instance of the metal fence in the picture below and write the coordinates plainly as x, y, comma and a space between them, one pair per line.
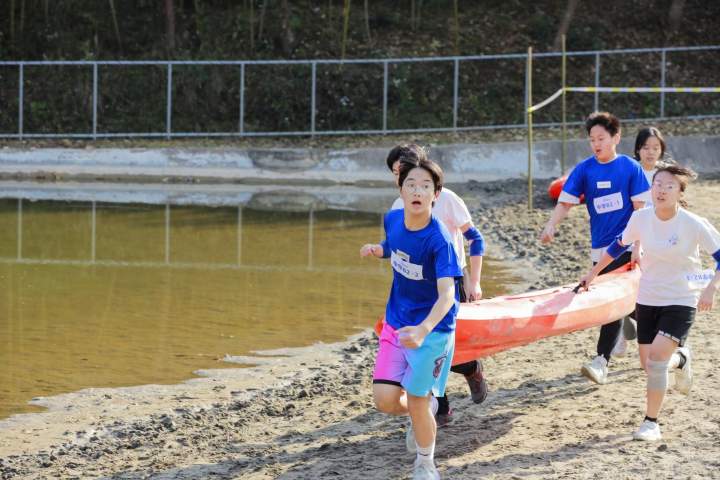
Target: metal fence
460, 113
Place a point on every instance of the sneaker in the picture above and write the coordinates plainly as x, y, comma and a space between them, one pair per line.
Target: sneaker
410, 439
684, 376
596, 370
423, 471
648, 432
478, 385
442, 419
629, 327
620, 347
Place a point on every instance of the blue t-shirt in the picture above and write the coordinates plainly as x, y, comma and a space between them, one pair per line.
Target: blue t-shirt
418, 259
608, 189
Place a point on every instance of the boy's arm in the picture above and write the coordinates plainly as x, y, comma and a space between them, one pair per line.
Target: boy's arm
560, 212
473, 291
413, 337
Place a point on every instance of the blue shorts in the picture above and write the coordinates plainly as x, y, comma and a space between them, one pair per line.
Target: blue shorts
417, 370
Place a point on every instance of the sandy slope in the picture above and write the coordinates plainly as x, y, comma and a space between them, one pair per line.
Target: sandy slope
310, 415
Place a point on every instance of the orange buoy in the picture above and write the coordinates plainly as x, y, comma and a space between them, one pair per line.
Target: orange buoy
556, 187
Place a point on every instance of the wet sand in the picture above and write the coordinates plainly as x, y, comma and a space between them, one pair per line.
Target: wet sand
308, 413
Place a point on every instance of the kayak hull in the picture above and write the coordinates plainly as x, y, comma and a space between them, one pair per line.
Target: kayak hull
490, 326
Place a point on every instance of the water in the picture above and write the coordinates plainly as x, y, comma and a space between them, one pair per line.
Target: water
101, 294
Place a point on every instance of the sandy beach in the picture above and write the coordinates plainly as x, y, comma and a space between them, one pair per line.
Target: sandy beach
307, 413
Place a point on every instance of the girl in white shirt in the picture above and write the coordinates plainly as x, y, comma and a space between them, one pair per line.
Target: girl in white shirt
673, 285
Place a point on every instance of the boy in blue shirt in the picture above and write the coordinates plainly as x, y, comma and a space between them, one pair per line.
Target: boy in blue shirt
418, 337
614, 186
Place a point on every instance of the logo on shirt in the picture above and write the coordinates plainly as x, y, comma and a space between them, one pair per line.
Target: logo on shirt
608, 203
673, 240
400, 262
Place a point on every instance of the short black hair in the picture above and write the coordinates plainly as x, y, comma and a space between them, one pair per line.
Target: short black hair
605, 119
406, 152
643, 136
426, 164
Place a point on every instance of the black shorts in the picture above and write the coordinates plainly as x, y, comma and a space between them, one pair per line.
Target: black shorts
460, 287
672, 321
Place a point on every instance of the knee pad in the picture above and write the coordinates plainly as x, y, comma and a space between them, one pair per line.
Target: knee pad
657, 374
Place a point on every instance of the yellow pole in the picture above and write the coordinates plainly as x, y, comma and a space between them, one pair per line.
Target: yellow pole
530, 131
563, 155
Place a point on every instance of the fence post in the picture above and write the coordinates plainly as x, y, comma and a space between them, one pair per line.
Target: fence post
529, 125
663, 58
563, 153
168, 113
95, 100
527, 85
21, 98
456, 81
385, 95
241, 122
596, 106
312, 99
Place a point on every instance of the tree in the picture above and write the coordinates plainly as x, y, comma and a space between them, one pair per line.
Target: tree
565, 24
170, 25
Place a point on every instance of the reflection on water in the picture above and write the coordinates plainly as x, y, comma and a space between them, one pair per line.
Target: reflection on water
102, 294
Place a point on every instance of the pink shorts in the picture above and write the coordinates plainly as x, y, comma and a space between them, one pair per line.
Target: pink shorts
418, 371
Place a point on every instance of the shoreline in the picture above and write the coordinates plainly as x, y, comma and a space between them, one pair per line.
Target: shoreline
310, 414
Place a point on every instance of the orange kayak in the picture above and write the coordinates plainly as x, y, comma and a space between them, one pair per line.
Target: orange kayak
556, 187
489, 326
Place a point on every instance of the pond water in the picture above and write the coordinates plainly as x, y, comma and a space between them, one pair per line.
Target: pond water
103, 294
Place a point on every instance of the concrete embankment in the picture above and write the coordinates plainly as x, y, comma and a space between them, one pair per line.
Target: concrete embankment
314, 166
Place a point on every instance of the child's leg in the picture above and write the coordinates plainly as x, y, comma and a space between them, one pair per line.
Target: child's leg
661, 350
390, 399
422, 420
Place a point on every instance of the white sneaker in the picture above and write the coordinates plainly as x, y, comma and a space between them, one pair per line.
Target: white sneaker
410, 439
596, 370
423, 471
620, 347
648, 432
684, 376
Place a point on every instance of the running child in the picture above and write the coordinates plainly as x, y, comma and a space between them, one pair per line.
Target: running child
650, 152
453, 213
614, 186
672, 285
418, 338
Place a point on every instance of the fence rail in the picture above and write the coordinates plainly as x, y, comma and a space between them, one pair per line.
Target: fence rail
244, 122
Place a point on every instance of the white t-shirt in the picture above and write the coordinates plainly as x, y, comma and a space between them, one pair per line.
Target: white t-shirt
672, 273
649, 175
452, 211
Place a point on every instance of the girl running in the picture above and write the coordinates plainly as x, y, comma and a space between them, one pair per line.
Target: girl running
672, 285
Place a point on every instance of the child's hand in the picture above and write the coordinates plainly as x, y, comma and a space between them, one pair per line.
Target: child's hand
586, 280
371, 249
548, 233
707, 298
412, 337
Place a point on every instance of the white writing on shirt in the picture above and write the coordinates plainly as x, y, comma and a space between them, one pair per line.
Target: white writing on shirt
402, 265
608, 203
606, 184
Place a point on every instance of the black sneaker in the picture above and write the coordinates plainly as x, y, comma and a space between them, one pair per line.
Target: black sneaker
478, 385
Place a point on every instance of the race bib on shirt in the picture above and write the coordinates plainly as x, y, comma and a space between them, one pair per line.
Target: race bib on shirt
606, 184
401, 264
699, 279
608, 203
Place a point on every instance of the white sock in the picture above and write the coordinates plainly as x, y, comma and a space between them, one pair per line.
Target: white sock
434, 405
426, 454
674, 361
